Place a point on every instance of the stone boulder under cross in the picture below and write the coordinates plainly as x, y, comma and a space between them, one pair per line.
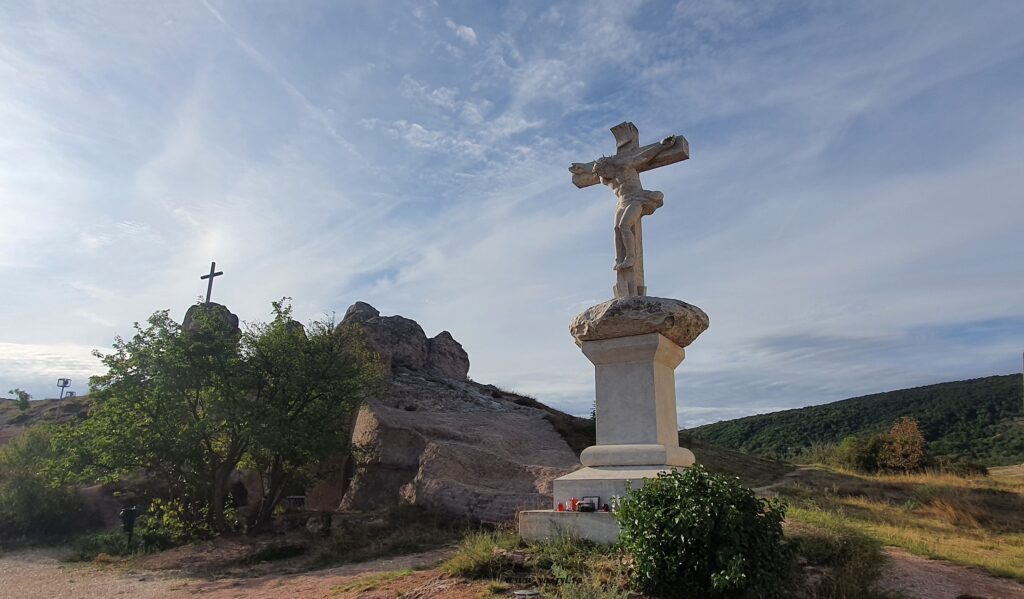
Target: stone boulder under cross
439, 440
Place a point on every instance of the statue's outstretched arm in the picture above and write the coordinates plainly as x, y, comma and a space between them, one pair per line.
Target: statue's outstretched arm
651, 152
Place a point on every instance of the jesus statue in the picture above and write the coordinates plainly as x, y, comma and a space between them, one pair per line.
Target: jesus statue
621, 173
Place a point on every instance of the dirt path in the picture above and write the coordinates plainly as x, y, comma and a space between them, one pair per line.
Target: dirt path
937, 579
39, 574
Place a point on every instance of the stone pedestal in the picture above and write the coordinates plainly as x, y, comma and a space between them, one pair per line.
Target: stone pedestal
635, 344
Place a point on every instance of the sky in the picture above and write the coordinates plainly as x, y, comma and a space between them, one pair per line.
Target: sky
850, 218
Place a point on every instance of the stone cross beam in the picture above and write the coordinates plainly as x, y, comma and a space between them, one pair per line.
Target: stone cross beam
621, 173
209, 284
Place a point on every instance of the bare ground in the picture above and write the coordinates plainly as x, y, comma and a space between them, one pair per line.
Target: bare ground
936, 579
39, 574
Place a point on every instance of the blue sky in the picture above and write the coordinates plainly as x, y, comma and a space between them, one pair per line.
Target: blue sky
850, 218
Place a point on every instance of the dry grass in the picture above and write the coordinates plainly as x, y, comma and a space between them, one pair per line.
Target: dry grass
369, 582
977, 521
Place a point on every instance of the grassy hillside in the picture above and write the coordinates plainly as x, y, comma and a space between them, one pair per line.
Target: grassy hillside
979, 420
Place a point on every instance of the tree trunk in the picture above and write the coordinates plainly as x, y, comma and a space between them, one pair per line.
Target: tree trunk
272, 496
219, 494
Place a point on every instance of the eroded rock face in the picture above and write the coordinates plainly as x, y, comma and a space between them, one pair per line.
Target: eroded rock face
456, 446
438, 440
677, 320
401, 343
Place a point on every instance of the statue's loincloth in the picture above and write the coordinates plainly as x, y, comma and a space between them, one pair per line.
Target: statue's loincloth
648, 200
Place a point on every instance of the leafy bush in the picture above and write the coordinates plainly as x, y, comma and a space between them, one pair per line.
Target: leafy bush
860, 453
693, 533
168, 524
818, 453
903, 448
33, 503
22, 398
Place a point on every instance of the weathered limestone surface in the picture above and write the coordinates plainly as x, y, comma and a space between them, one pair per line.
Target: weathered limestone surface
437, 440
676, 320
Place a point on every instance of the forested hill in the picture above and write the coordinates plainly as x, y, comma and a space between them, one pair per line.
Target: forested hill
979, 420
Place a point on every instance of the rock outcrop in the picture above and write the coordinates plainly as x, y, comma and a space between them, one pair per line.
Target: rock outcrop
401, 343
438, 440
446, 358
191, 323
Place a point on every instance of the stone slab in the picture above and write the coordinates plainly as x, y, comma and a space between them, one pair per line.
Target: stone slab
596, 527
604, 482
636, 455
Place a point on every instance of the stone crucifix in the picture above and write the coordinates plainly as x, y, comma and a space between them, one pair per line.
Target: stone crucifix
621, 173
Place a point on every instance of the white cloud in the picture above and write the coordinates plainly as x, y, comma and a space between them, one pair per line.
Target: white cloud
463, 32
851, 203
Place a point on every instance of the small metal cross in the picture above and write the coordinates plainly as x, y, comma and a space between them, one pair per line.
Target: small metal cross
209, 285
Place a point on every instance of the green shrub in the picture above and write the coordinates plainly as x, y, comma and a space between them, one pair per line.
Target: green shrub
22, 398
692, 533
32, 503
168, 524
861, 453
818, 453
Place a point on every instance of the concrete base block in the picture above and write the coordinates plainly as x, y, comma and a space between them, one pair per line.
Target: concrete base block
596, 527
603, 482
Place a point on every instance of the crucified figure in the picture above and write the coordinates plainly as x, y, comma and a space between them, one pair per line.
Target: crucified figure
621, 173
621, 176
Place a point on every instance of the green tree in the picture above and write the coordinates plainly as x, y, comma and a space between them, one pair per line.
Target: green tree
309, 384
31, 502
172, 405
21, 397
187, 406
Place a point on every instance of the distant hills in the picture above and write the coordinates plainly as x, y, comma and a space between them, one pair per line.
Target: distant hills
980, 420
